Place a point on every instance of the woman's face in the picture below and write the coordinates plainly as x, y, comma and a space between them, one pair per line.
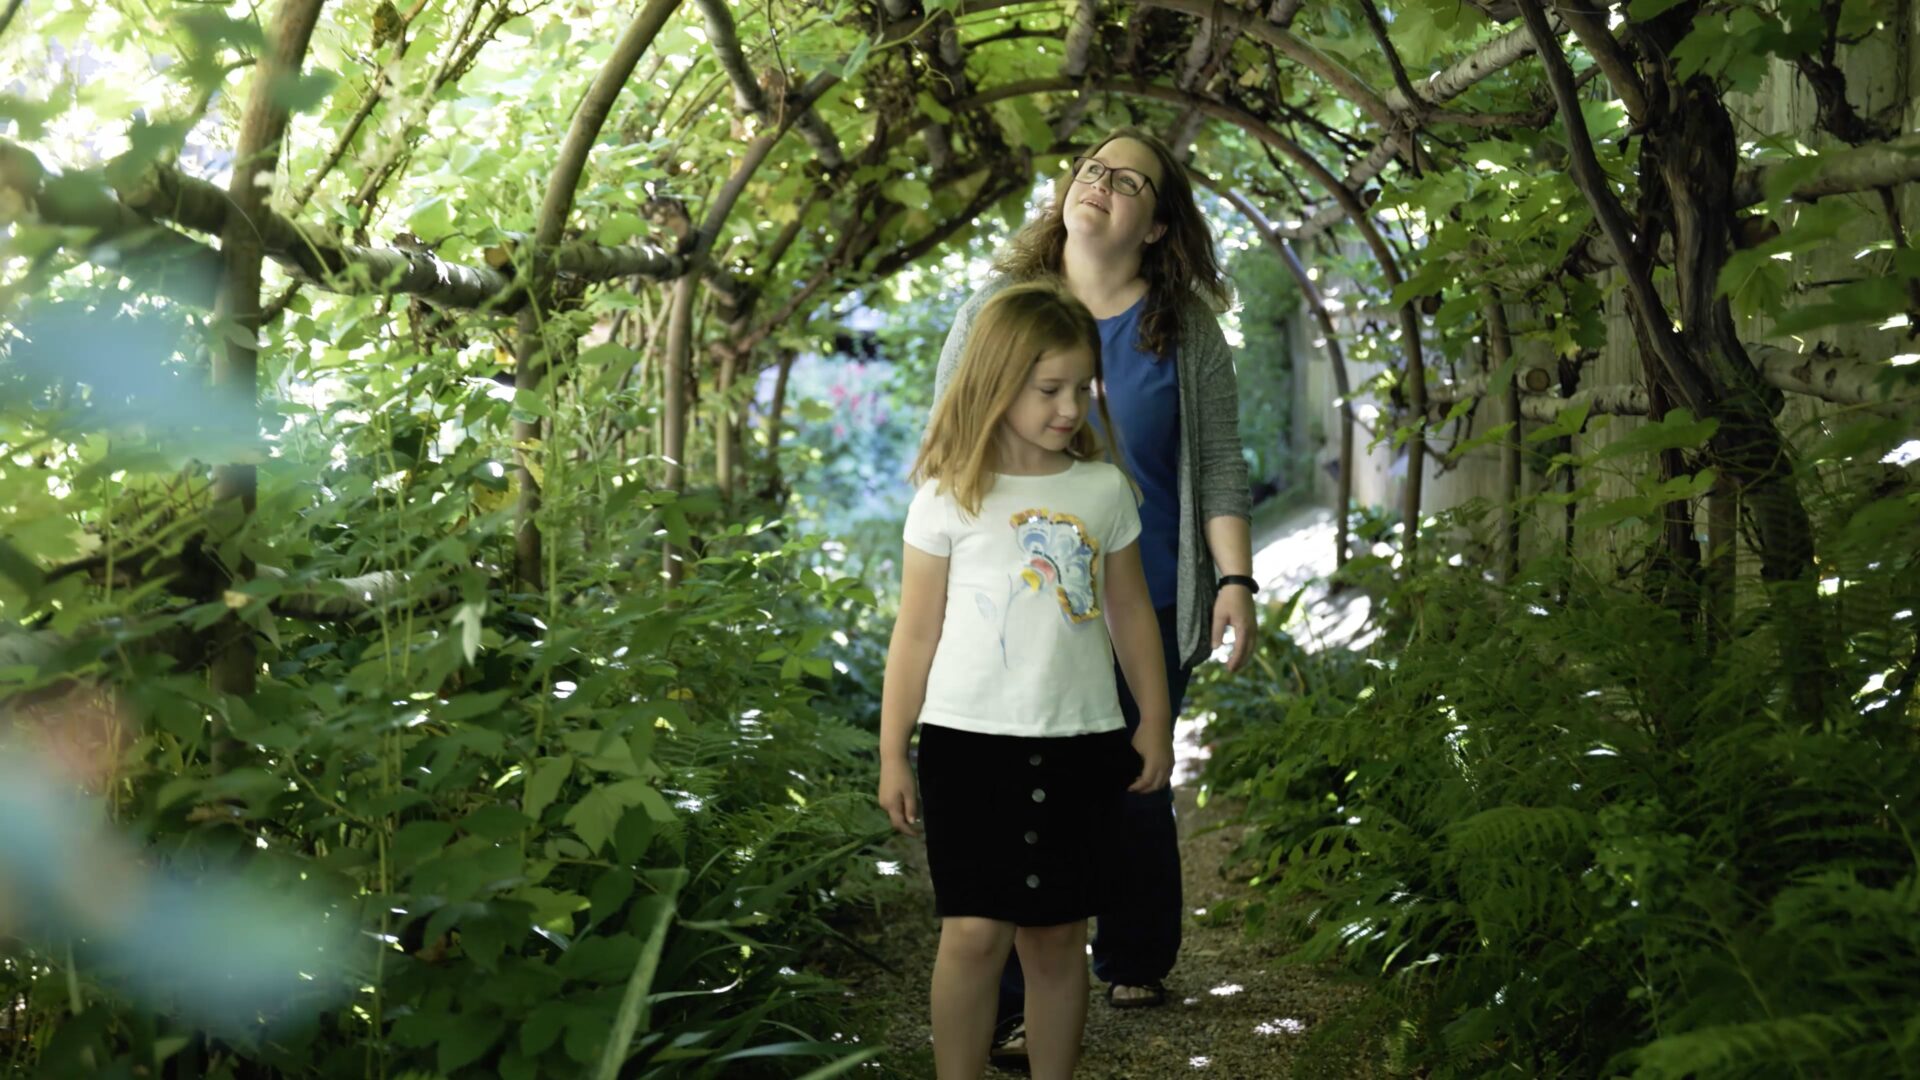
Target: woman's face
1097, 212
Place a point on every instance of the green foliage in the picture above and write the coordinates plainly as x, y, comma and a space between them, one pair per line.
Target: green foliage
605, 805
1269, 299
1579, 837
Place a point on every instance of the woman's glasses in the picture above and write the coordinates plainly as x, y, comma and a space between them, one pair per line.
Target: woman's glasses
1086, 170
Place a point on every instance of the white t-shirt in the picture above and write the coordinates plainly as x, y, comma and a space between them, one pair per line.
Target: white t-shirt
1024, 648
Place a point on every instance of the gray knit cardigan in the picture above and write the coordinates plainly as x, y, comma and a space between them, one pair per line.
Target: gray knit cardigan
1213, 473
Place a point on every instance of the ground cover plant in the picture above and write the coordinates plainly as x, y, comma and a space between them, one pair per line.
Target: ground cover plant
1579, 836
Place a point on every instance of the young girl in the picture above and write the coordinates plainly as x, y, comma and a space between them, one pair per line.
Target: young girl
1020, 586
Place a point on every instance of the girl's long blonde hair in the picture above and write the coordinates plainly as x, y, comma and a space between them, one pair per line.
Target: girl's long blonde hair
1010, 334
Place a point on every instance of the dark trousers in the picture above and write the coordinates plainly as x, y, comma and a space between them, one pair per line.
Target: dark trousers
1137, 935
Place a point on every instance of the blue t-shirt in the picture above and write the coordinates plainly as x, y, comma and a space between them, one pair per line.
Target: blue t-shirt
1143, 394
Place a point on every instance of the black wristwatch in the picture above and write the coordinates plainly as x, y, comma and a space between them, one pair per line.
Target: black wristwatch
1239, 579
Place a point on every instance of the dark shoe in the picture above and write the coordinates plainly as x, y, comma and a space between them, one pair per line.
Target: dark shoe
1156, 995
1010, 1046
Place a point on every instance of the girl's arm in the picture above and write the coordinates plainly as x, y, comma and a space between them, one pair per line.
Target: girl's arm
916, 633
1136, 644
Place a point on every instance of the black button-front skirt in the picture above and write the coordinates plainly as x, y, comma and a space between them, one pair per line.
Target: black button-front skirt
1023, 830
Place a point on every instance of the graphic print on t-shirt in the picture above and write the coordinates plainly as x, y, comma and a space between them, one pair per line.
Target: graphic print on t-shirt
1059, 554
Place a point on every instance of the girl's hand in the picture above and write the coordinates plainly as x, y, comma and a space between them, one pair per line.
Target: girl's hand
897, 797
1156, 758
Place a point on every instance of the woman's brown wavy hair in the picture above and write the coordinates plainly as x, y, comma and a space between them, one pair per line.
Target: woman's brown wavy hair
1013, 330
1181, 263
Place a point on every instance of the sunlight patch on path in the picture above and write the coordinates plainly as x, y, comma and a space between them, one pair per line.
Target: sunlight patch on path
1296, 552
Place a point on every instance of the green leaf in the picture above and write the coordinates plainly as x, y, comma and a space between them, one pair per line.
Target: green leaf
856, 59
910, 193
620, 228
1646, 506
467, 619
299, 93
609, 892
544, 783
609, 353
593, 818
495, 821
603, 751
432, 219
655, 914
31, 116
1870, 300
599, 959
634, 834
1784, 176
1678, 430
467, 706
1029, 124
1642, 10
1569, 422
655, 805
931, 106
463, 1038
542, 1027
418, 839
1494, 434
531, 402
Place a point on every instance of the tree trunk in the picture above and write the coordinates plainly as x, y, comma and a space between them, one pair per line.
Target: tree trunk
725, 424
1687, 170
673, 393
1692, 151
236, 357
1499, 355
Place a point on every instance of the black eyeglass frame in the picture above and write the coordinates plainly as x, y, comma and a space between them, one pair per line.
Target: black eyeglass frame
1074, 171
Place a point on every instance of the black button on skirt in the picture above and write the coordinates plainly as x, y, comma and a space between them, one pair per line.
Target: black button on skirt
1023, 830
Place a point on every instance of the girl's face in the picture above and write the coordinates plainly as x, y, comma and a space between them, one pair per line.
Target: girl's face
1053, 404
1095, 211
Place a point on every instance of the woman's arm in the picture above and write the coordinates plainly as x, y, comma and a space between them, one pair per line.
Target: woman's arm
1226, 503
916, 634
1223, 464
1136, 644
1230, 539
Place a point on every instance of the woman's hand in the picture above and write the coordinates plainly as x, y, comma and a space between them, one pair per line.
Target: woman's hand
1234, 607
1154, 744
897, 797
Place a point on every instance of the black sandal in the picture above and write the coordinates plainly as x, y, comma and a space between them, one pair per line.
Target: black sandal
1010, 1046
1156, 995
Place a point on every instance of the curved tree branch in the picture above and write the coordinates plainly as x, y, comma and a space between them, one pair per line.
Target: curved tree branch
723, 37
1607, 52
1411, 97
1080, 35
1612, 217
1310, 294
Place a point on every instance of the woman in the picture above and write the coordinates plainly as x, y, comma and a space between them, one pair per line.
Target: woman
1124, 236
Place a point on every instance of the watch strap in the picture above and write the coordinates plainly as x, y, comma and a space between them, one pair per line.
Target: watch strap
1239, 579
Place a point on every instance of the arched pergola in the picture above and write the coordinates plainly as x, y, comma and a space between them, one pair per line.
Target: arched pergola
917, 95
